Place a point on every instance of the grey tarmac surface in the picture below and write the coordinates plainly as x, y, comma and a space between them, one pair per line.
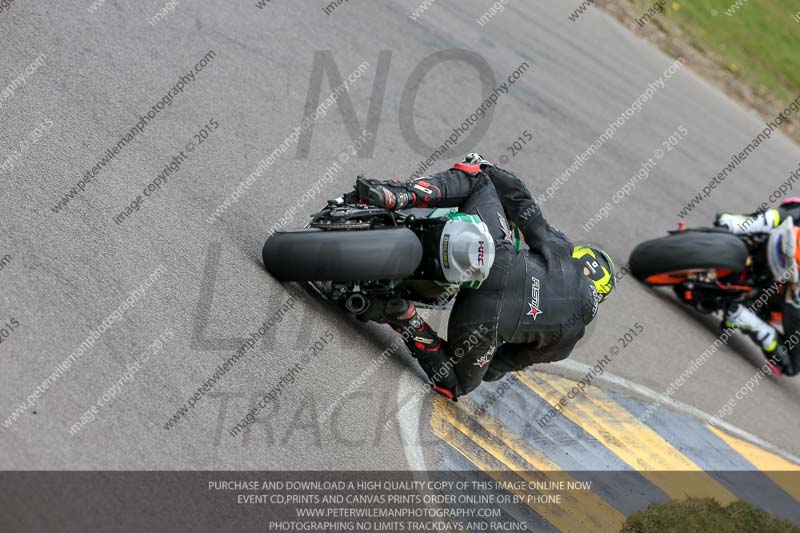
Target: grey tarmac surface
70, 270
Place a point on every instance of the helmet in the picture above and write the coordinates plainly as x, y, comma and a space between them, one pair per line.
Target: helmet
783, 252
466, 250
598, 267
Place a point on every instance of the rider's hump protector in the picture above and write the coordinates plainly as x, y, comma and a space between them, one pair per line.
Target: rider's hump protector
466, 250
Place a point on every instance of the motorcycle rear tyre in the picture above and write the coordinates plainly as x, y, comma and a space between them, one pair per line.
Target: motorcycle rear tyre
317, 255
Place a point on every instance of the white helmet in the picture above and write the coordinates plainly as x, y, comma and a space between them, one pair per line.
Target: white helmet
466, 250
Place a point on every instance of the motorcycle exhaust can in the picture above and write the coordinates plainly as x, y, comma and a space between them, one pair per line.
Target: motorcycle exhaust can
357, 303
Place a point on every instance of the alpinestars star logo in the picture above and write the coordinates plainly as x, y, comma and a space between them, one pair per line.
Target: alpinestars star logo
486, 358
534, 303
483, 360
507, 233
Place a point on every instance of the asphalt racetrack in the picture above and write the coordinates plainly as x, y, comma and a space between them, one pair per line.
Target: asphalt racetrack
175, 282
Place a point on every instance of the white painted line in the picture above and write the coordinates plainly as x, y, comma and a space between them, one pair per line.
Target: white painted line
409, 415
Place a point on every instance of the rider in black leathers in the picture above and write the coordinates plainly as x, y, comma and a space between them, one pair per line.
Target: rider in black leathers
534, 305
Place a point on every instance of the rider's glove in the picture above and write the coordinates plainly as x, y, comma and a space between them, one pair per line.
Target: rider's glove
728, 221
387, 194
475, 158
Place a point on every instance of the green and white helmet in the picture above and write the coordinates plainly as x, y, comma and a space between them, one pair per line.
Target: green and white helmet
466, 250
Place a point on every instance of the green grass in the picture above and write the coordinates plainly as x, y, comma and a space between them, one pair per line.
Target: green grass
700, 515
759, 43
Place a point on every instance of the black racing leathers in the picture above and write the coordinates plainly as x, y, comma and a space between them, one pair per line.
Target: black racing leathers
534, 305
